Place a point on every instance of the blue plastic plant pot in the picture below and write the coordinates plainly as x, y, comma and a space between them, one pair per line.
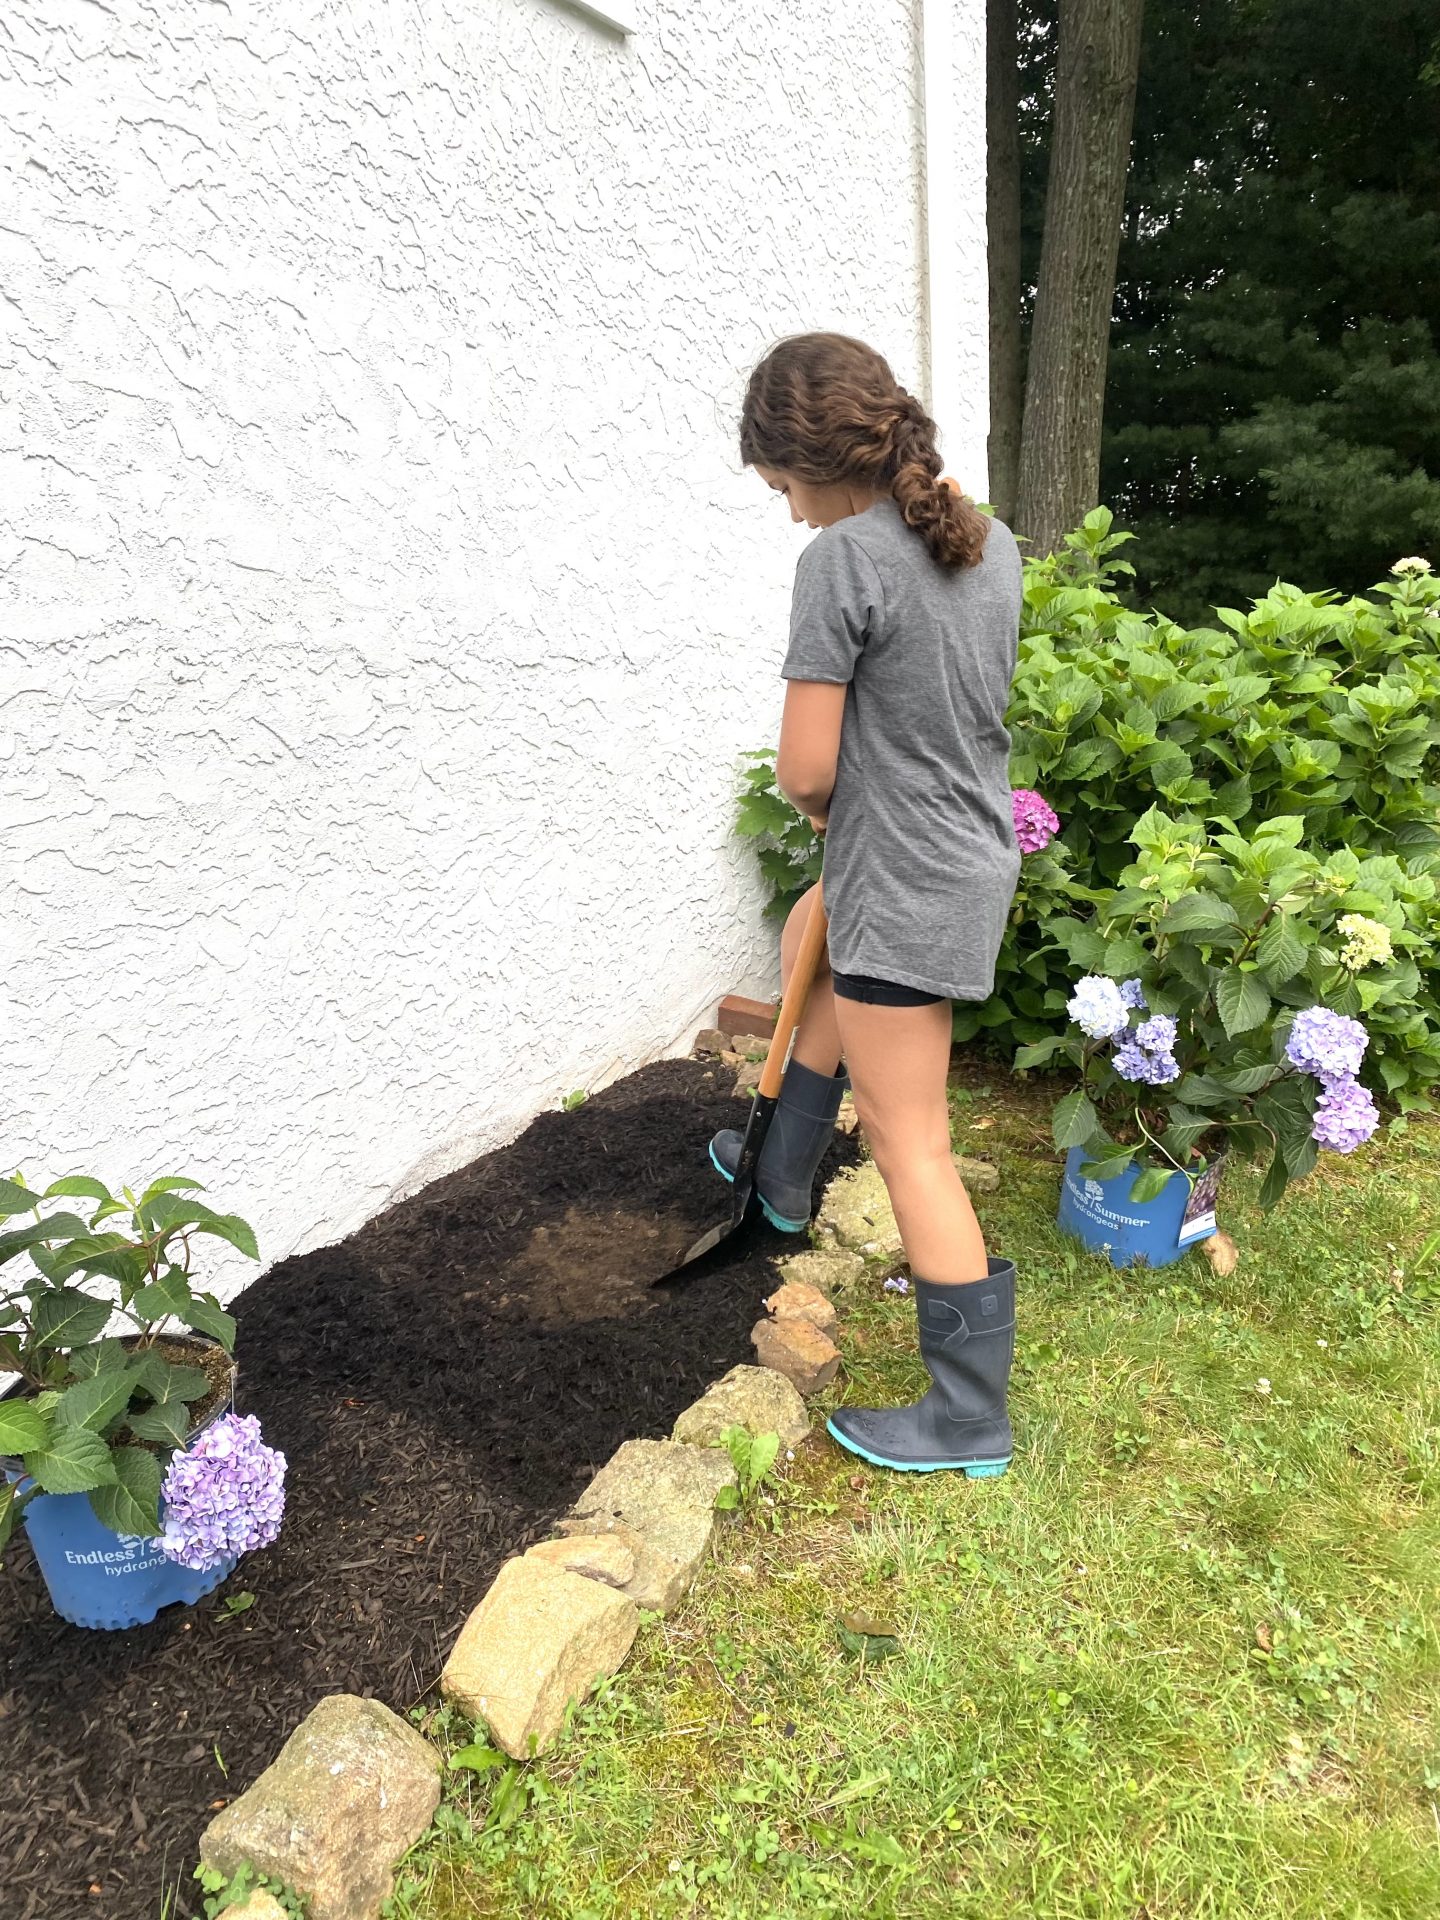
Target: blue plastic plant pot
1101, 1214
100, 1578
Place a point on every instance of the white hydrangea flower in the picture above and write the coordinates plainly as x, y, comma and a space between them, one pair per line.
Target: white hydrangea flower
1367, 942
1098, 1008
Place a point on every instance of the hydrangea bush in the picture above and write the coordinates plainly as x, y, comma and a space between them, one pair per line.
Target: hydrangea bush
1216, 998
1307, 706
95, 1411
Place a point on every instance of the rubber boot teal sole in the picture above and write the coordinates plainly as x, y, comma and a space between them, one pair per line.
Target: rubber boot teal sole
775, 1219
972, 1469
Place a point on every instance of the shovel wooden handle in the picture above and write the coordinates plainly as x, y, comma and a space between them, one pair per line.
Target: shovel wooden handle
792, 1007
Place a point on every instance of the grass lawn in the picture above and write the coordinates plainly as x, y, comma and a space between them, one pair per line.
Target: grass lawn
1181, 1660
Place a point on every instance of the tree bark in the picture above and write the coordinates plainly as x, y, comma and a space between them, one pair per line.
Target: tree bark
1097, 67
1002, 221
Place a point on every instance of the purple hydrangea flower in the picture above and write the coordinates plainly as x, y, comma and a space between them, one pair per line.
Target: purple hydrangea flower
1036, 822
1133, 994
1157, 1034
1133, 1062
1345, 1116
1329, 1045
1097, 1008
224, 1495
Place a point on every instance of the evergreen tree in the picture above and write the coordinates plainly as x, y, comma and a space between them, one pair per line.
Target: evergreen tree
1273, 405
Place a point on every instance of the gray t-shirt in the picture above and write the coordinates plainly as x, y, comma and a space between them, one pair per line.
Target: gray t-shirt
920, 857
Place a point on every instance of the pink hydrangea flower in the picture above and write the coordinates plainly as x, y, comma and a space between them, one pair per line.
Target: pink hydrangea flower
1036, 822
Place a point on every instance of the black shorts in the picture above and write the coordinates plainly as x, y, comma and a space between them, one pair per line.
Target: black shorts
881, 993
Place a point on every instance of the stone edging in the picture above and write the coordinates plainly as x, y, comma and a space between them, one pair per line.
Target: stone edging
355, 1787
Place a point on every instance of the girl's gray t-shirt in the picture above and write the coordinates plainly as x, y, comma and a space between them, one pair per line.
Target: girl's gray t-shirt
920, 855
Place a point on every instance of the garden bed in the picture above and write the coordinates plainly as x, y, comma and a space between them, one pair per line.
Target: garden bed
443, 1383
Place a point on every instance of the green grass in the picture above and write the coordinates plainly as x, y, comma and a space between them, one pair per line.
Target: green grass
1181, 1661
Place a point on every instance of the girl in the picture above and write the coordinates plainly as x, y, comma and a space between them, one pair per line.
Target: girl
903, 633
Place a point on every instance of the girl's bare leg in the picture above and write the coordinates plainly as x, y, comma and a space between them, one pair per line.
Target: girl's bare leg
817, 1040
898, 1059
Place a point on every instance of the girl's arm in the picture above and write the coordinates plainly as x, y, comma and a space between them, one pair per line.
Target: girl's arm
810, 745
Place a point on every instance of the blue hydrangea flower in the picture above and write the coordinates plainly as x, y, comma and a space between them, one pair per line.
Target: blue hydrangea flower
1329, 1045
1133, 994
1157, 1034
1133, 1062
1097, 1008
1345, 1116
224, 1495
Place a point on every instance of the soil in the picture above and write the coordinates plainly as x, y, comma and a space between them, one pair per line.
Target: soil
444, 1383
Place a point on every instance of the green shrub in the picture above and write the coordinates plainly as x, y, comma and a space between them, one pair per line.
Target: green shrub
1305, 707
1226, 938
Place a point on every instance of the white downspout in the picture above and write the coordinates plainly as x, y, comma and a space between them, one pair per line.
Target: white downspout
942, 217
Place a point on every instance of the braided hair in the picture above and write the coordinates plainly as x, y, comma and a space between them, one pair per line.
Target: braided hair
829, 410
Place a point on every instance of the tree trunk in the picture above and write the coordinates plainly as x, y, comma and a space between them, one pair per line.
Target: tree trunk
1002, 220
1096, 69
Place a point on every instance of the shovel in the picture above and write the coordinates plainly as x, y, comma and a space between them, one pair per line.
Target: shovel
762, 1111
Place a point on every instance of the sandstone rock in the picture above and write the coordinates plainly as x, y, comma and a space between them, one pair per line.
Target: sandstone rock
755, 1398
598, 1556
660, 1497
539, 1639
798, 1300
750, 1046
260, 1906
747, 1076
856, 1213
847, 1120
829, 1270
980, 1176
808, 1358
1222, 1253
350, 1791
709, 1040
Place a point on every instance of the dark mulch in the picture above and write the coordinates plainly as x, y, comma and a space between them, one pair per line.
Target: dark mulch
443, 1382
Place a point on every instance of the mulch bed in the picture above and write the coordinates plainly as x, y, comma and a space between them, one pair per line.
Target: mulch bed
444, 1382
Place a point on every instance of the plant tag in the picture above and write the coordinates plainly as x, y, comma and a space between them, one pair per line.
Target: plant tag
1198, 1220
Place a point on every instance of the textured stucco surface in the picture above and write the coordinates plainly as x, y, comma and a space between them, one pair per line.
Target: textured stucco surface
382, 607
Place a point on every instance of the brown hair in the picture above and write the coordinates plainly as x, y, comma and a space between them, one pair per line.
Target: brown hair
829, 410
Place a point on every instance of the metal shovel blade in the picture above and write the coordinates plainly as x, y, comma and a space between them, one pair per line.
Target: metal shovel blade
762, 1112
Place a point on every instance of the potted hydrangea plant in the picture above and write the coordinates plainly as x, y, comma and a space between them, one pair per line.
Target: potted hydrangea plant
137, 1483
1218, 1012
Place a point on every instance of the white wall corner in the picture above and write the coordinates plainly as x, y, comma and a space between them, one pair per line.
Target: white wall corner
952, 51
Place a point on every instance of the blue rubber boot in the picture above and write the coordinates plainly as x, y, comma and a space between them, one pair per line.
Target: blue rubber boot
967, 1341
800, 1131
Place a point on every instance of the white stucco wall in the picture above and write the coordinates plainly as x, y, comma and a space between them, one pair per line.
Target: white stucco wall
383, 609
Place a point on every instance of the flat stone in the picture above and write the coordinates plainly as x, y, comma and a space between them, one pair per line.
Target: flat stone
661, 1496
980, 1176
259, 1906
847, 1120
808, 1358
540, 1639
352, 1789
598, 1556
856, 1213
1221, 1251
829, 1270
747, 1075
710, 1040
798, 1300
755, 1398
750, 1046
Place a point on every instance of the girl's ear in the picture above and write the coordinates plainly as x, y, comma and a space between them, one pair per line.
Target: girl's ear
953, 485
